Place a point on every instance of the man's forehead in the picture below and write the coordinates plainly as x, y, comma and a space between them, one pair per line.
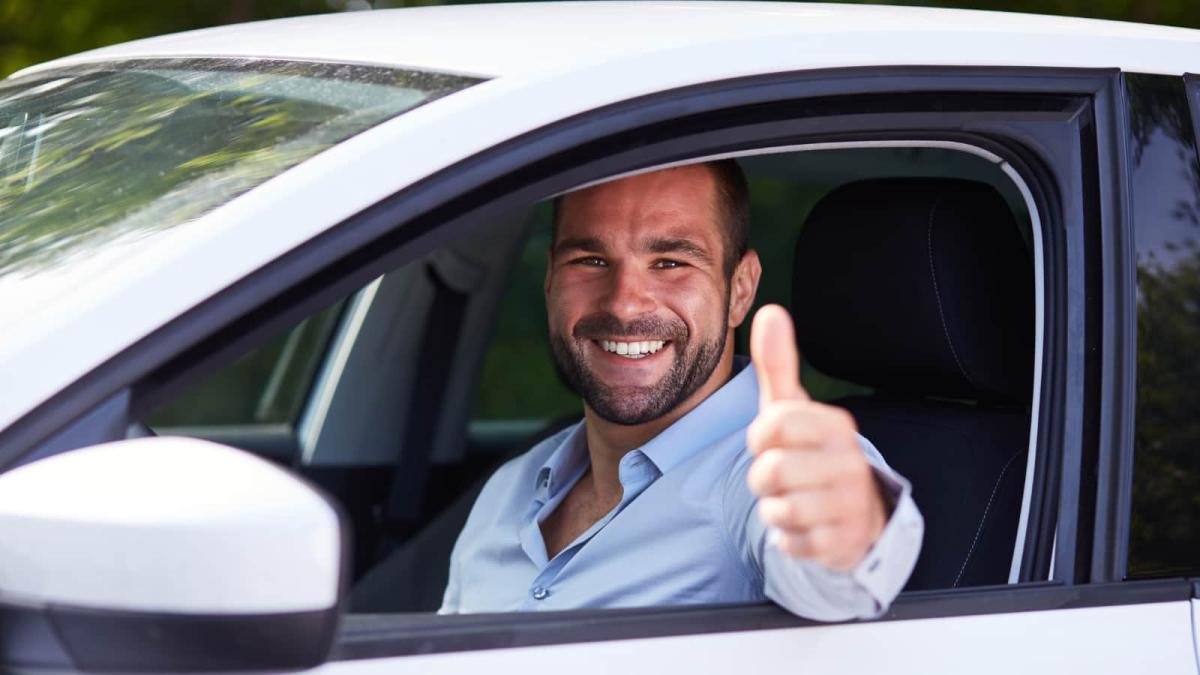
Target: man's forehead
679, 199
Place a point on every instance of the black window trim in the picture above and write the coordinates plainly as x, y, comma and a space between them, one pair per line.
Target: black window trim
1116, 351
1191, 82
579, 149
390, 636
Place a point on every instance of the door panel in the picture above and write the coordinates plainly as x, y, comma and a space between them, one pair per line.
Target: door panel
1147, 638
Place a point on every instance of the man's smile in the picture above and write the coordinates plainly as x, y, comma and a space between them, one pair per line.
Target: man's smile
632, 349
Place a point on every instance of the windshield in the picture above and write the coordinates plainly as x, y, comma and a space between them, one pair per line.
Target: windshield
93, 153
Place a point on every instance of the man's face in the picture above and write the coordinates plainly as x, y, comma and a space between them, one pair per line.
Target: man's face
636, 292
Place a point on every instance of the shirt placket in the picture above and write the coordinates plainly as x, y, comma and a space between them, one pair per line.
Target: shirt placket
636, 472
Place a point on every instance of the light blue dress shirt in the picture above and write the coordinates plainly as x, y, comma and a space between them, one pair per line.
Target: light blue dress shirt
686, 529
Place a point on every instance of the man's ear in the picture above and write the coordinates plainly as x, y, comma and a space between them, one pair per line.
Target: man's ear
549, 268
743, 285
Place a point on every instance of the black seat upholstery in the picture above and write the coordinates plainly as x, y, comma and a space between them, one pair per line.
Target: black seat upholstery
922, 288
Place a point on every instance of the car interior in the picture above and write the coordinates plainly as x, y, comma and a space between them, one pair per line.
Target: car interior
911, 274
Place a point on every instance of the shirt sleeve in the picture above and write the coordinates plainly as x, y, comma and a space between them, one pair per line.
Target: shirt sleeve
451, 597
811, 590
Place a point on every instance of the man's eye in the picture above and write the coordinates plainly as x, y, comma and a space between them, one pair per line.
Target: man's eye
667, 264
589, 260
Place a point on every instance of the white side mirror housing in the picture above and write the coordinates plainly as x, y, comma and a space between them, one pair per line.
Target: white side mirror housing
169, 554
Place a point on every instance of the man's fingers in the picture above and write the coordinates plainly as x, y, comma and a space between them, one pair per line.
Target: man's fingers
821, 544
773, 351
801, 424
778, 471
800, 510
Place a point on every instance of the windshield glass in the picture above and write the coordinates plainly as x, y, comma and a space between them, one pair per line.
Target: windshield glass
104, 151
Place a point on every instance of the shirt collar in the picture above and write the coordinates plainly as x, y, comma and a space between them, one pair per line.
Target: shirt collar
570, 456
727, 410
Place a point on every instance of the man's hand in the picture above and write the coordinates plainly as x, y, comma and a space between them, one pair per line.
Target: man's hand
814, 484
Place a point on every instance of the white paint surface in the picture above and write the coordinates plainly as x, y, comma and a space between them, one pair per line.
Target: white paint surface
165, 524
533, 39
1153, 638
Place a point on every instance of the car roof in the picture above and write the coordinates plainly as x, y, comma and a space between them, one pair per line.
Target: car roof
527, 39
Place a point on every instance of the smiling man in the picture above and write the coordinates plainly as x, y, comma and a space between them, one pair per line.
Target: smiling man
693, 478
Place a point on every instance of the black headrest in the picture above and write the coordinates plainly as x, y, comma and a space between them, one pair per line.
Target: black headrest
917, 286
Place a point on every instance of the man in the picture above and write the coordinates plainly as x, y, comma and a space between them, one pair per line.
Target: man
692, 478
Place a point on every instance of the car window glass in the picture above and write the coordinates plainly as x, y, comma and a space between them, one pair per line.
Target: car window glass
266, 386
100, 153
1163, 539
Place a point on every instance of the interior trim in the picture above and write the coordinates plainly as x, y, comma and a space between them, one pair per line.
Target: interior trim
312, 421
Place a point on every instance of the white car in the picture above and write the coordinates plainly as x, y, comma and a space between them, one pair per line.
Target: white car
321, 241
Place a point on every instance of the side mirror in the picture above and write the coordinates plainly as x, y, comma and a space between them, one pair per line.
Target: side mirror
166, 554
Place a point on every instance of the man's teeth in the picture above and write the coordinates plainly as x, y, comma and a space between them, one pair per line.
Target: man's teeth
633, 349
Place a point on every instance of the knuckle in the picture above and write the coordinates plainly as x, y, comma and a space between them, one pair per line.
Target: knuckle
846, 420
759, 476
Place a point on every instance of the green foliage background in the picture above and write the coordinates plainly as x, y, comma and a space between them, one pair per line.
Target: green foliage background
32, 31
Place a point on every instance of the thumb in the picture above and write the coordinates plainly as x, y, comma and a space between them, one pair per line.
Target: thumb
776, 360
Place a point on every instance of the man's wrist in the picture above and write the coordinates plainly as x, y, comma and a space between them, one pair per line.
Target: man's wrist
888, 495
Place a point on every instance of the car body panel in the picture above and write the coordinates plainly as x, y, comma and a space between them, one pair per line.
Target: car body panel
1149, 638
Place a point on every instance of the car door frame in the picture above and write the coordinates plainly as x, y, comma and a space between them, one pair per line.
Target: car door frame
1062, 130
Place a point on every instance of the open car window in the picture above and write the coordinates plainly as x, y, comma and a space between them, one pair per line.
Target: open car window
431, 377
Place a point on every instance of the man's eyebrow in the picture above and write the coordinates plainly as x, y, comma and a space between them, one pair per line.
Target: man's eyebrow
679, 245
589, 244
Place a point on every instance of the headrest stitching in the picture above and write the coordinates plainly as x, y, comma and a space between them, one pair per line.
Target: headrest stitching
938, 295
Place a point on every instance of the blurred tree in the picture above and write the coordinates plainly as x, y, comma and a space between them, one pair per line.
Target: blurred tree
32, 31
1171, 12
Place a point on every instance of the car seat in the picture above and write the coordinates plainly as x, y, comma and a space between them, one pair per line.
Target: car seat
922, 289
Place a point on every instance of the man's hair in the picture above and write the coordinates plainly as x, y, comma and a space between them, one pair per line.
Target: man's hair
733, 208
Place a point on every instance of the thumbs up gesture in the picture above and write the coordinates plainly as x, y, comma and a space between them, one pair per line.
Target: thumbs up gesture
814, 485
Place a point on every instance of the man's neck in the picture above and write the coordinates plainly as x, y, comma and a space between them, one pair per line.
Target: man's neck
608, 442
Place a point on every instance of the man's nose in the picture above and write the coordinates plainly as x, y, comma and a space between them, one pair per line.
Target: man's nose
629, 293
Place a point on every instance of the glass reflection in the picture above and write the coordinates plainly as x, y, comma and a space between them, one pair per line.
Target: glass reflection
92, 154
1166, 201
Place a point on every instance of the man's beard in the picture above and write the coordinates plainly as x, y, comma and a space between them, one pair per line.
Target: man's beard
635, 405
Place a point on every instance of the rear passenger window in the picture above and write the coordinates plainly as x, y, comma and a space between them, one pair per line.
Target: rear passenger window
266, 386
1164, 539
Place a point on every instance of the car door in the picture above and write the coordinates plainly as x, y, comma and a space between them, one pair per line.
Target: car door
1073, 605
1062, 135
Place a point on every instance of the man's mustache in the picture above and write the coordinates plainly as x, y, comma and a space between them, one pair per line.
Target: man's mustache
601, 325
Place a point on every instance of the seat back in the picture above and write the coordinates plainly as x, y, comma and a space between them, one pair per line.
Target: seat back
922, 289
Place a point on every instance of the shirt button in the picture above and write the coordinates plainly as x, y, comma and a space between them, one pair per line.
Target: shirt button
540, 593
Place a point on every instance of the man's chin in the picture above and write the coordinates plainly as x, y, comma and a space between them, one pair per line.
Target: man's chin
628, 406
